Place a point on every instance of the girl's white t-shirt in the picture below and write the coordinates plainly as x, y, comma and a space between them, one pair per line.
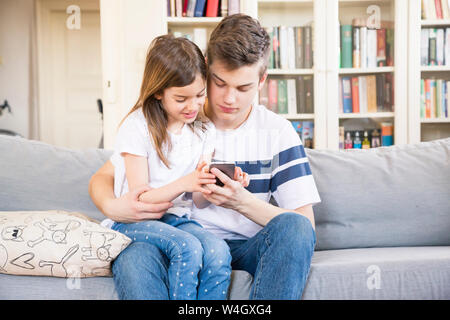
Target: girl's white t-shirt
134, 138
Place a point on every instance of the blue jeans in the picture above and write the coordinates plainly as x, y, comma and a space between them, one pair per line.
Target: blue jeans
180, 250
278, 257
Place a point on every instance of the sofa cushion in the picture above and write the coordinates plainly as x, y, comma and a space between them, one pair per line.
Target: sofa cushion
98, 288
39, 176
57, 243
383, 197
397, 273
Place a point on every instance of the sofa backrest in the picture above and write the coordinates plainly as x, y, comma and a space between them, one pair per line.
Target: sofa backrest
383, 197
39, 176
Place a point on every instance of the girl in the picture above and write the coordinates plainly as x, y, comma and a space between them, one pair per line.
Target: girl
159, 143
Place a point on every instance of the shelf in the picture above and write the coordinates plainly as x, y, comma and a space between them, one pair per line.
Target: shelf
436, 120
187, 21
271, 4
290, 71
434, 68
435, 23
303, 116
365, 70
363, 3
366, 115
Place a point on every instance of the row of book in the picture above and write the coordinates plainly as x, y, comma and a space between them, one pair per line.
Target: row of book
202, 8
290, 47
435, 9
434, 98
435, 47
305, 130
366, 139
288, 96
363, 47
366, 94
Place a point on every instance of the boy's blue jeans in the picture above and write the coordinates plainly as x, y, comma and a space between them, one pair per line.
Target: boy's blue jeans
188, 261
278, 257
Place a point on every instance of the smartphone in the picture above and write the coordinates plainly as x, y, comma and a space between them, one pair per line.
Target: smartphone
226, 167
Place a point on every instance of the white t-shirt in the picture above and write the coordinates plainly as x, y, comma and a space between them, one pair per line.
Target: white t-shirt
134, 138
267, 147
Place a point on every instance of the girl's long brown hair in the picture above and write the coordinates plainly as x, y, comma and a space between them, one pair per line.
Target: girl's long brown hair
170, 62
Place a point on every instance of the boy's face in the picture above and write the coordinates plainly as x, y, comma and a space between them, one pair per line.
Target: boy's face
231, 93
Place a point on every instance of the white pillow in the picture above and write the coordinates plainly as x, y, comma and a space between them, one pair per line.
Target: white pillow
57, 243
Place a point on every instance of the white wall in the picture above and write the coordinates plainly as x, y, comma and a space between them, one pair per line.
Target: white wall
15, 20
128, 27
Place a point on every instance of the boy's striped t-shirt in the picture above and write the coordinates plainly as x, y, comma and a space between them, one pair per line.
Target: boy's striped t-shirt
267, 147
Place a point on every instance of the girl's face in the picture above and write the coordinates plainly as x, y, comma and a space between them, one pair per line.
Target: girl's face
182, 104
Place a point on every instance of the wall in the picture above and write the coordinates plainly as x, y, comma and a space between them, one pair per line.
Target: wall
16, 17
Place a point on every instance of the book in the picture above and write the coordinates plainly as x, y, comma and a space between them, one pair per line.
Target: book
346, 46
308, 46
273, 95
190, 8
356, 48
283, 48
308, 134
297, 127
427, 98
433, 98
371, 48
371, 94
276, 48
424, 46
438, 98
388, 92
355, 94
291, 47
447, 47
282, 96
390, 47
347, 94
212, 8
185, 5
445, 9
291, 96
233, 6
363, 46
269, 31
362, 86
422, 99
432, 56
299, 47
178, 8
223, 8
309, 94
386, 134
381, 47
199, 8
341, 104
438, 9
301, 96
440, 35
380, 88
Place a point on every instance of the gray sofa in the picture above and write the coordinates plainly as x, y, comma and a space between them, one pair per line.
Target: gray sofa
383, 227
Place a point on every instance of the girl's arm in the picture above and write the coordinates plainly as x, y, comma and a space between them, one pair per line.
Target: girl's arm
137, 175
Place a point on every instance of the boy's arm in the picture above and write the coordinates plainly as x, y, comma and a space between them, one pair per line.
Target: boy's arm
126, 208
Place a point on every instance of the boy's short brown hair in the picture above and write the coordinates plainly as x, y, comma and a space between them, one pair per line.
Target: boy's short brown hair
239, 40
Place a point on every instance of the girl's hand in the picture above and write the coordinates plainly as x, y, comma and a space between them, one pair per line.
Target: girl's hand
242, 177
195, 181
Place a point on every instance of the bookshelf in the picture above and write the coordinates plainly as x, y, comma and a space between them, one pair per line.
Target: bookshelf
292, 14
423, 128
393, 15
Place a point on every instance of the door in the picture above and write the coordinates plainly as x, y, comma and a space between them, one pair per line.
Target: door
70, 75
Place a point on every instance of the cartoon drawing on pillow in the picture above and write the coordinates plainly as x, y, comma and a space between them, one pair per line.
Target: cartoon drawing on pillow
13, 233
3, 258
56, 231
57, 268
23, 261
98, 245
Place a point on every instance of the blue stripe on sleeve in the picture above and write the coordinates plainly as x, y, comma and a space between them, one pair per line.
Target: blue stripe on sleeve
259, 186
255, 167
293, 153
296, 171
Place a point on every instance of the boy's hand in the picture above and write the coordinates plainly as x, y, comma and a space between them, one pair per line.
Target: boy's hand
242, 177
200, 177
